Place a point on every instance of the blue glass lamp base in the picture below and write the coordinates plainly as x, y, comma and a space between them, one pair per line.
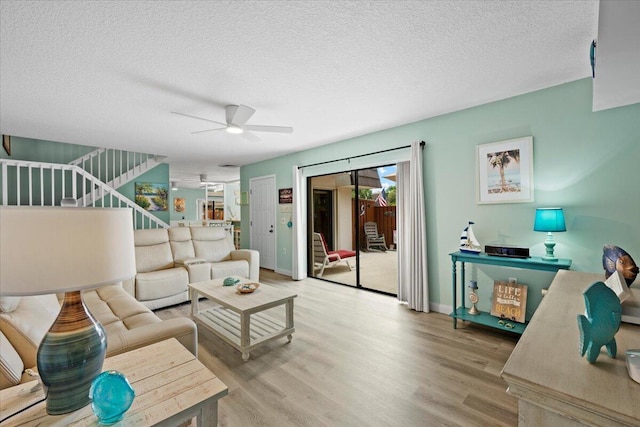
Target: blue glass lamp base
111, 396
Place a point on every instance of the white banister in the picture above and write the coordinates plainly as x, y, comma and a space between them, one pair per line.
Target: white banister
115, 167
18, 182
53, 186
89, 188
30, 187
4, 185
41, 186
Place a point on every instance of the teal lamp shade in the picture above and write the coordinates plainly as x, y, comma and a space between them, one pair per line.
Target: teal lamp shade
46, 250
549, 220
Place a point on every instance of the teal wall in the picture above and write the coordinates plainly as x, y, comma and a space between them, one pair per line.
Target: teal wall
586, 162
190, 196
44, 151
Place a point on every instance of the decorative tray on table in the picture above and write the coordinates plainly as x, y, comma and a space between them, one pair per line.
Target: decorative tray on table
247, 288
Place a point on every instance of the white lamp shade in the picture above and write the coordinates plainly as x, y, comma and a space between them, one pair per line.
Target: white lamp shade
47, 250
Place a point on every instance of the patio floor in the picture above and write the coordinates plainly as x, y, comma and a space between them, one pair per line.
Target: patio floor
378, 270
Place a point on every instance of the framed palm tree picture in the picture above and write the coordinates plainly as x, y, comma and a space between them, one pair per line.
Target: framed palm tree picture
505, 171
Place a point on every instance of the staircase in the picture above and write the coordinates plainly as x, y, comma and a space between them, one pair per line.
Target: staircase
28, 183
115, 167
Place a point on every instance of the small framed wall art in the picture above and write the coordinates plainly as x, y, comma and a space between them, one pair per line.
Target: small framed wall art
152, 196
244, 198
505, 171
179, 204
6, 143
285, 195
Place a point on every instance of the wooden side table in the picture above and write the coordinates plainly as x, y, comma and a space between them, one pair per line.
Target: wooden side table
171, 386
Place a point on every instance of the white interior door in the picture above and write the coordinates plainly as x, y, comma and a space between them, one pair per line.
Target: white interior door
262, 208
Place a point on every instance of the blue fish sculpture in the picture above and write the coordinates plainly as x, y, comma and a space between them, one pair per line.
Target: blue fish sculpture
599, 327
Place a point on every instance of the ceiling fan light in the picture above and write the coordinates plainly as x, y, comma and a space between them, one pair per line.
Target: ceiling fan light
231, 128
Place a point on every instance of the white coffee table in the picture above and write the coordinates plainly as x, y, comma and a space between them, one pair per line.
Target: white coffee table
238, 318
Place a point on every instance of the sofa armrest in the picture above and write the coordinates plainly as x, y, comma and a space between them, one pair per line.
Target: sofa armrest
129, 285
181, 328
252, 257
198, 268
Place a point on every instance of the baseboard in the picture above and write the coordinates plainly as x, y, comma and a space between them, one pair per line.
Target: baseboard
440, 308
284, 272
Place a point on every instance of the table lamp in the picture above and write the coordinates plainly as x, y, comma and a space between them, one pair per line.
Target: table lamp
46, 250
549, 220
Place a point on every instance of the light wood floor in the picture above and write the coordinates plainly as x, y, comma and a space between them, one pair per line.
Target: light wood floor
361, 359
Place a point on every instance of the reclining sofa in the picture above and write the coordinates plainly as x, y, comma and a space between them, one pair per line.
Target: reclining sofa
128, 325
167, 260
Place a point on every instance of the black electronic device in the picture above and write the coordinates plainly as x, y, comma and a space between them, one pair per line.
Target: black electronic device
507, 251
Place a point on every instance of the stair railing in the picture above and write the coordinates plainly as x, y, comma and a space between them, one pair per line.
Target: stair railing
28, 183
116, 167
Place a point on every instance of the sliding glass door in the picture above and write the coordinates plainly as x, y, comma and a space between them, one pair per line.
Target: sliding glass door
352, 239
332, 255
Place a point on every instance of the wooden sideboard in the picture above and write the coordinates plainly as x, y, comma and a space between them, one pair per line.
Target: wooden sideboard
554, 385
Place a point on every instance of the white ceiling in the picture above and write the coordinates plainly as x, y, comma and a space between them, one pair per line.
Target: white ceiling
110, 73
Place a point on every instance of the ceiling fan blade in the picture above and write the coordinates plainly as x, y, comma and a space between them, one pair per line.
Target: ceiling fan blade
263, 128
199, 118
207, 130
250, 137
238, 114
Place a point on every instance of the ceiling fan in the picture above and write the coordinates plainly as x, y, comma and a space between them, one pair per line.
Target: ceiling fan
236, 119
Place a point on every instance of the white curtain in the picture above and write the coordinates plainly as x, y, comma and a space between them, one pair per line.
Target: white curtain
412, 238
299, 225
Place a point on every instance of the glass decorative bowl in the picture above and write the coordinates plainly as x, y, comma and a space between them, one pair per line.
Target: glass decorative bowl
111, 396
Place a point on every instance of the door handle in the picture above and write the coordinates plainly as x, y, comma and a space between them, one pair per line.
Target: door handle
271, 229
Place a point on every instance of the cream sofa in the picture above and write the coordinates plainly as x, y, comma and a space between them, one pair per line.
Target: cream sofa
128, 325
167, 260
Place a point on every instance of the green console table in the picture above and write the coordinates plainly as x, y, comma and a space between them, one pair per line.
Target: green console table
531, 263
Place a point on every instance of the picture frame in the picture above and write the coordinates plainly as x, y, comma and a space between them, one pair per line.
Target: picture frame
285, 195
244, 198
505, 171
6, 143
179, 204
152, 196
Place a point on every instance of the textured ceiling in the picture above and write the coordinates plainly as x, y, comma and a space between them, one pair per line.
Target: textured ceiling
110, 73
